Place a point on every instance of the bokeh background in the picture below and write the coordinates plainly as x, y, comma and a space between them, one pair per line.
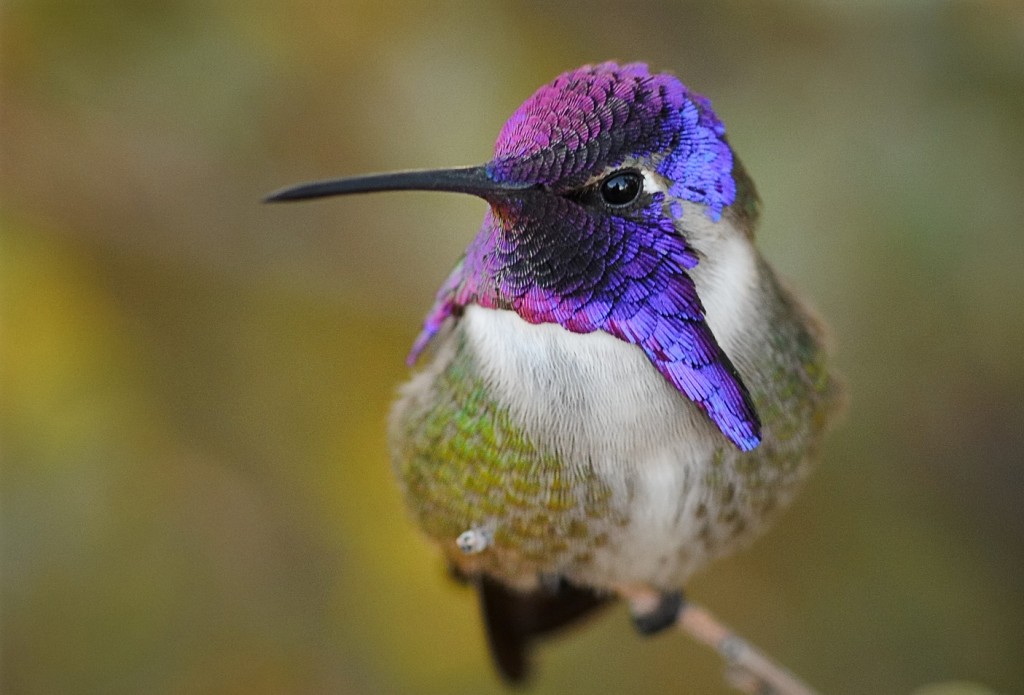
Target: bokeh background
196, 495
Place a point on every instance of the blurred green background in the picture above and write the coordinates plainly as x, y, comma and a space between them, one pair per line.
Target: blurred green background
196, 495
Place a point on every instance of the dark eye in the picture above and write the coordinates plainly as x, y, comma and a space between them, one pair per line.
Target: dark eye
622, 188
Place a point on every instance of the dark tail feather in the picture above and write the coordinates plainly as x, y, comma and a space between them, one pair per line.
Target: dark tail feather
514, 619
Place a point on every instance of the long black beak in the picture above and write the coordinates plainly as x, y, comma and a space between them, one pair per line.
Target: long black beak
473, 180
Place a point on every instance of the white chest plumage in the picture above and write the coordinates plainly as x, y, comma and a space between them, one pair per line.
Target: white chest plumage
597, 401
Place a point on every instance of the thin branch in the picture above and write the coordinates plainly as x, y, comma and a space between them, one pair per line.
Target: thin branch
749, 670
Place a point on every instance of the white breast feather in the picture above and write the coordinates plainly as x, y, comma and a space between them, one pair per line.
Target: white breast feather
597, 401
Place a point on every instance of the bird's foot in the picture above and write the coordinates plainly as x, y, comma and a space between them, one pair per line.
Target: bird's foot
654, 611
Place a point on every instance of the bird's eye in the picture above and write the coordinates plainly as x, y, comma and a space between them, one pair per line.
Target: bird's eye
621, 188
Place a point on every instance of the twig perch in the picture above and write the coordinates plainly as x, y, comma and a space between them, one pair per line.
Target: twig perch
749, 670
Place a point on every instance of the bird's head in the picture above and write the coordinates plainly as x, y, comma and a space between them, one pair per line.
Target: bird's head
610, 189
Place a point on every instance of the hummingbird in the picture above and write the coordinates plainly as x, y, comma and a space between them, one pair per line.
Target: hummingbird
616, 388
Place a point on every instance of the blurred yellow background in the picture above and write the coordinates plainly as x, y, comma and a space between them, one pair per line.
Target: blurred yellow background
196, 494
